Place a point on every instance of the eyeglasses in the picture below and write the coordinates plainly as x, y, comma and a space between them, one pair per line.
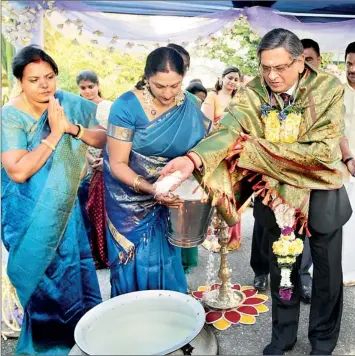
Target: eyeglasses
278, 69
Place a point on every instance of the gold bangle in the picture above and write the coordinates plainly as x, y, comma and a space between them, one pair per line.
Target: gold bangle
136, 183
80, 133
50, 145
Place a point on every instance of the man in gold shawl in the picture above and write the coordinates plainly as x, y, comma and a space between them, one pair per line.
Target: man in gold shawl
281, 138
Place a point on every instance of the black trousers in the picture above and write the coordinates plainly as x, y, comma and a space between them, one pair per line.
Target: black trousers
327, 294
259, 258
306, 263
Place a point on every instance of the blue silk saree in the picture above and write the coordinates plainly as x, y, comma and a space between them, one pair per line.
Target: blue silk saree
50, 262
140, 255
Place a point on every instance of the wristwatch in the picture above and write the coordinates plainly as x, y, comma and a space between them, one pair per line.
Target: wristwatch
346, 161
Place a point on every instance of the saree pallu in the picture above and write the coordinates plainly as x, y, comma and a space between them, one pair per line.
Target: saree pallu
140, 255
97, 214
235, 237
50, 262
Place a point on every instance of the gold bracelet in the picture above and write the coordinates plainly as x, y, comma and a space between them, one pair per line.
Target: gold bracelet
80, 133
136, 183
50, 145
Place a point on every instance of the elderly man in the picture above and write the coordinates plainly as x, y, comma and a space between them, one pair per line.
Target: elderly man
282, 134
260, 246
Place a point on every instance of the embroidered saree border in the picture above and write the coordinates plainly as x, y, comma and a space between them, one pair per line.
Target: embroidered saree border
120, 133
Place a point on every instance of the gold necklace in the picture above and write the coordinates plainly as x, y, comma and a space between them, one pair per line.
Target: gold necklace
33, 111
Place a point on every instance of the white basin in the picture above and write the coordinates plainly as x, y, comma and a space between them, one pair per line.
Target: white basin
140, 323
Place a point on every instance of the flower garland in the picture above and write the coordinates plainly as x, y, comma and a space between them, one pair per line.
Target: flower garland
284, 126
287, 248
281, 126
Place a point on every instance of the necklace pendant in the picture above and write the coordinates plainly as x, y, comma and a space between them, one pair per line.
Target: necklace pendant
153, 112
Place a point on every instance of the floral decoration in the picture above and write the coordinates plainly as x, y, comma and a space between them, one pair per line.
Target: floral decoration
19, 24
253, 306
287, 247
281, 125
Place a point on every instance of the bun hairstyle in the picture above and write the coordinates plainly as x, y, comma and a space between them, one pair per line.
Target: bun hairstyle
218, 86
90, 76
195, 87
161, 60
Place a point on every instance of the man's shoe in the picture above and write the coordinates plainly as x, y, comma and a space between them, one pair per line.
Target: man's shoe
271, 350
306, 294
274, 350
261, 282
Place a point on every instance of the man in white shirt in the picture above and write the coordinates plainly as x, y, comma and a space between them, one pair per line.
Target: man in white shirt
348, 151
349, 102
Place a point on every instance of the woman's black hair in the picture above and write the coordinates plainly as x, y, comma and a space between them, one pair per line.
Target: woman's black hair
90, 76
218, 85
161, 60
195, 87
182, 52
30, 54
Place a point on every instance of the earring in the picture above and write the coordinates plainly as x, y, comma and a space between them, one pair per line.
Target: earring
179, 98
148, 98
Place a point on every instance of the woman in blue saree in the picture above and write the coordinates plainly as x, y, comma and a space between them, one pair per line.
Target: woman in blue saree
147, 127
45, 135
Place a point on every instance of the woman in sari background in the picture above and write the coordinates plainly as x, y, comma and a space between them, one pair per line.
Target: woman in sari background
45, 135
213, 107
225, 89
91, 191
147, 127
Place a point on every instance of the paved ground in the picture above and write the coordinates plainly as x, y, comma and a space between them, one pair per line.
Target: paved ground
250, 339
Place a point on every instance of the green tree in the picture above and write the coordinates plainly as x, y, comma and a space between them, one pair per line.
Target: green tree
244, 56
327, 58
118, 72
236, 46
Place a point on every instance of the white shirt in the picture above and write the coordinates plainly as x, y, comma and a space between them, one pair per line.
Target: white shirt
103, 111
291, 90
349, 102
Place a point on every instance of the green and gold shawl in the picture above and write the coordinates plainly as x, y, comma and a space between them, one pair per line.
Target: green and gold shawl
288, 171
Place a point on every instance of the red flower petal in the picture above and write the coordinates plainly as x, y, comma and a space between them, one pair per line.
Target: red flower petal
213, 316
215, 286
248, 309
250, 292
232, 316
254, 301
236, 287
197, 294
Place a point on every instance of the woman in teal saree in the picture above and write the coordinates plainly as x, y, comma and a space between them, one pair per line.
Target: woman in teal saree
147, 127
45, 135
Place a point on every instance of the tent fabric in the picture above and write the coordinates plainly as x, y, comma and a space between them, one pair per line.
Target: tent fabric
189, 31
197, 8
116, 30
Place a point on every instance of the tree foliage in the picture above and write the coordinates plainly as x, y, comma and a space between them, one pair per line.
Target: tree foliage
238, 45
235, 46
118, 72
